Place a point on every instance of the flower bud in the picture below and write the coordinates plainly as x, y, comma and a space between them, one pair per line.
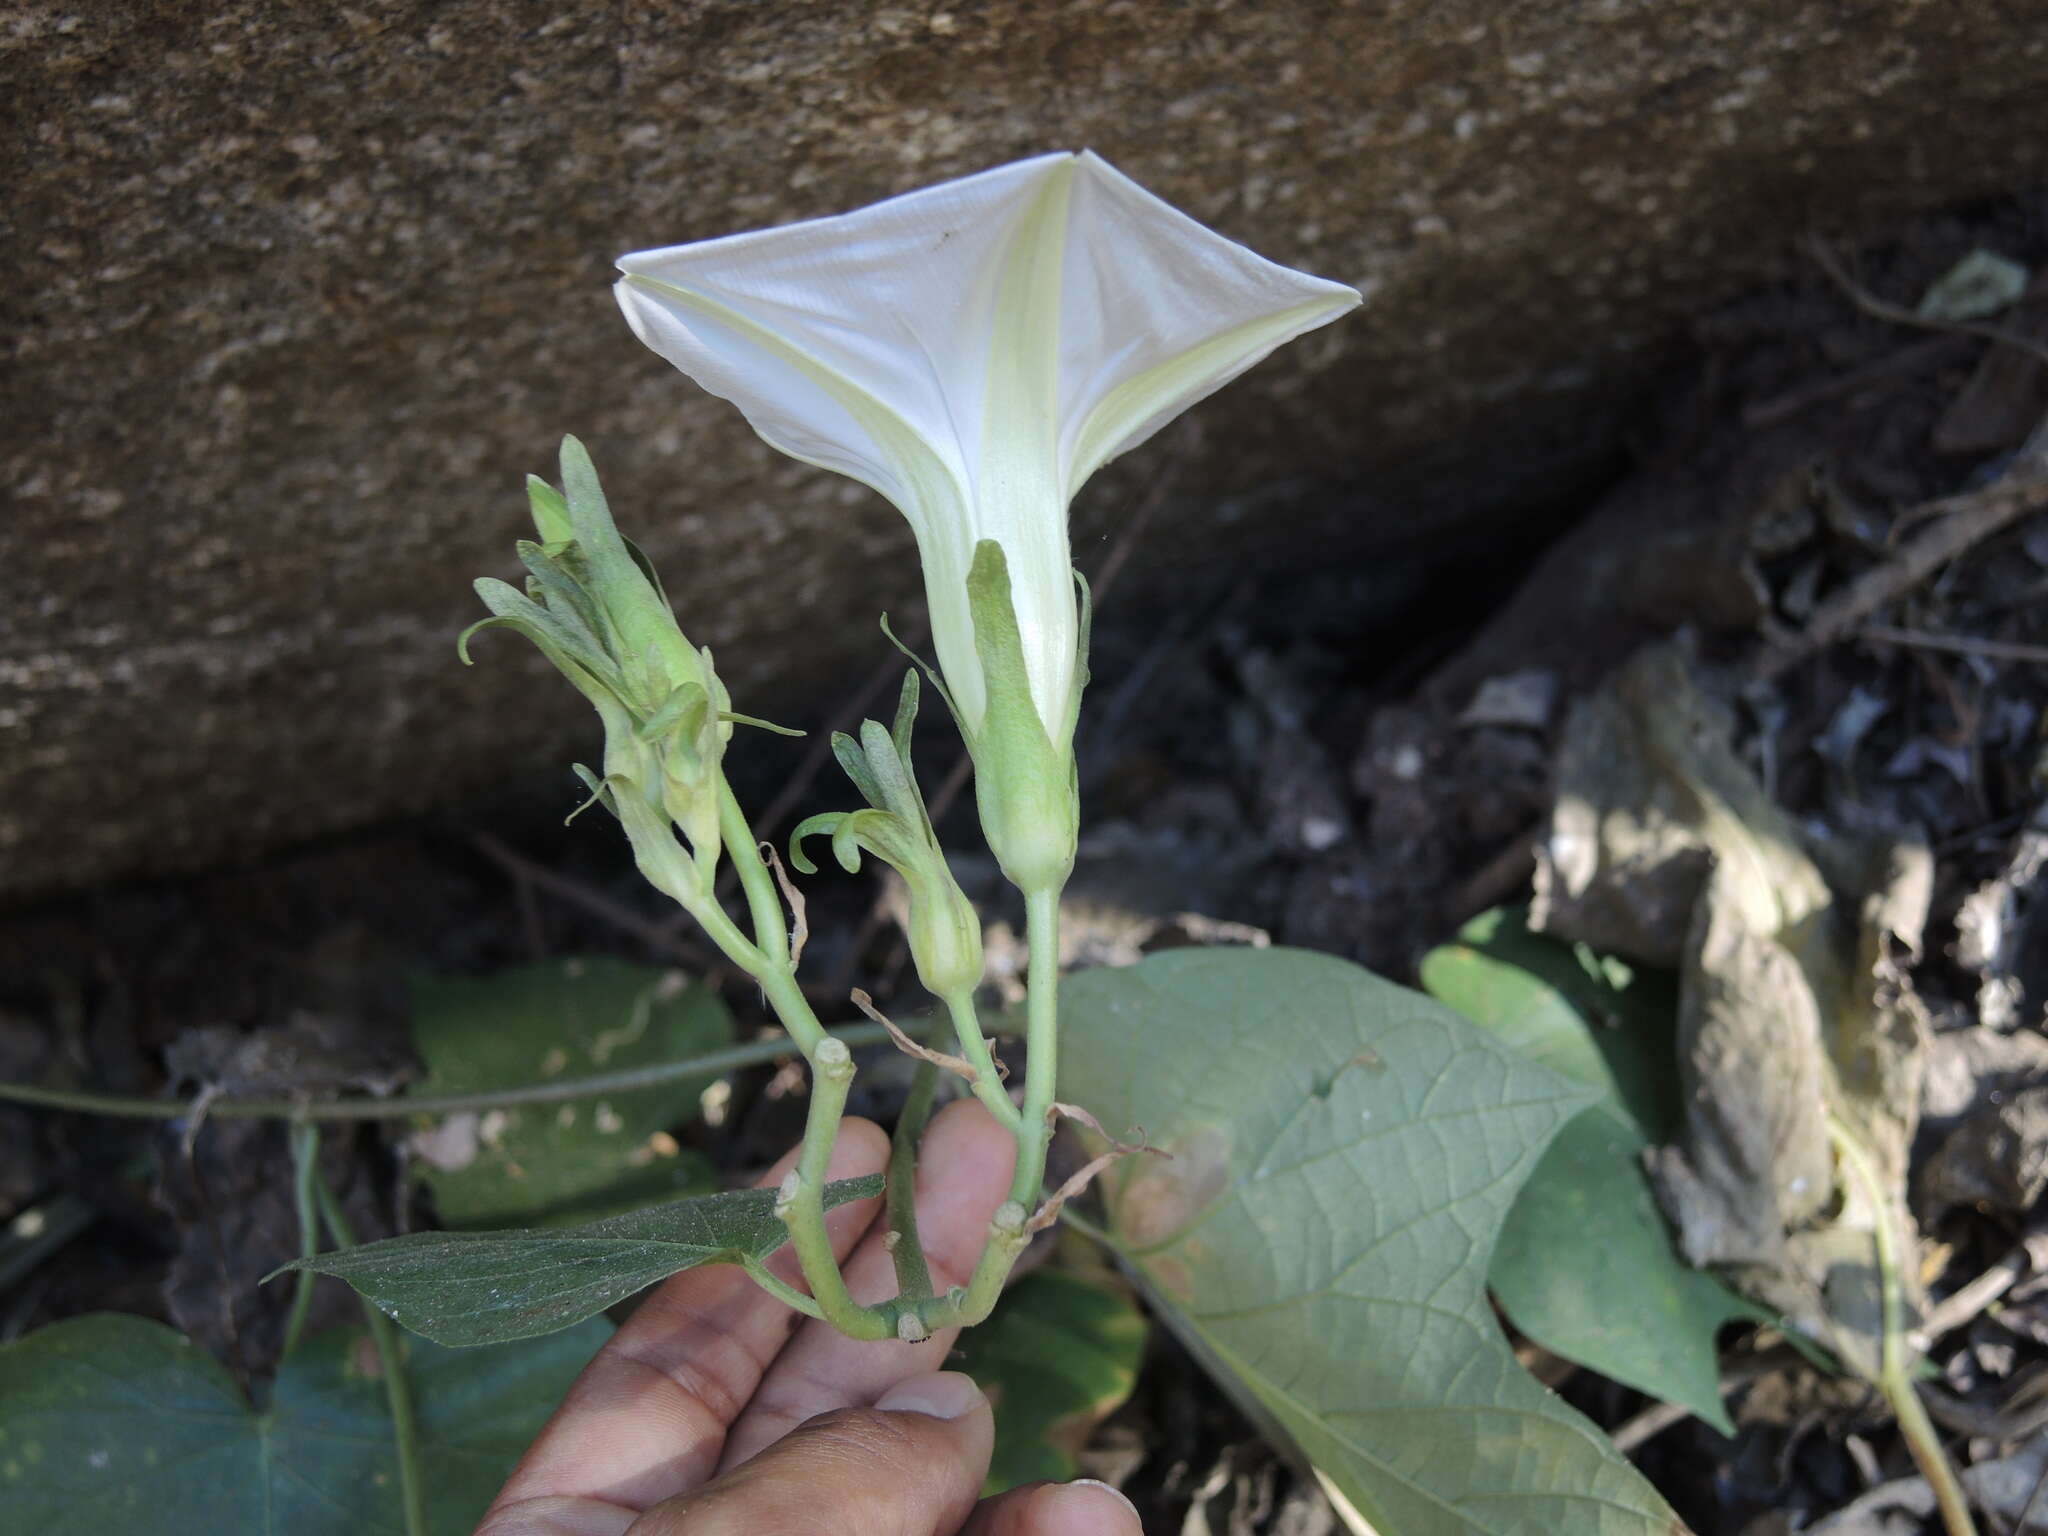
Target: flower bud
943, 928
595, 609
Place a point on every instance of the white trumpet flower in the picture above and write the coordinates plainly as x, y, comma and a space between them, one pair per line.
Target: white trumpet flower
975, 351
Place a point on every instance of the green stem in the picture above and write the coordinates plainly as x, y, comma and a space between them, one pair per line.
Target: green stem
913, 1275
404, 1427
1895, 1378
675, 874
1007, 1234
787, 999
305, 1144
801, 1201
773, 968
711, 1063
1042, 1040
781, 1289
988, 1079
764, 902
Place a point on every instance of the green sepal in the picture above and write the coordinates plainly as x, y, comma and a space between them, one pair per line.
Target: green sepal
682, 711
854, 761
1085, 628
639, 558
554, 577
600, 794
633, 605
550, 511
811, 826
556, 639
1024, 782
937, 678
906, 718
891, 774
731, 718
462, 640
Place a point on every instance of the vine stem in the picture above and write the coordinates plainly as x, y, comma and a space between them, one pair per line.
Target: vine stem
988, 1081
1042, 1039
129, 1106
305, 1144
801, 1200
1894, 1378
913, 1274
405, 1434
1007, 1234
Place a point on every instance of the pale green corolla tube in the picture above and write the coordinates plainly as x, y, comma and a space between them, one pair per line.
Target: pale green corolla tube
975, 351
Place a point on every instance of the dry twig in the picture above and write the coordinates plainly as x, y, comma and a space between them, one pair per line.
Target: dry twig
1892, 314
1049, 1212
655, 935
799, 915
956, 1065
1959, 645
1907, 360
1964, 522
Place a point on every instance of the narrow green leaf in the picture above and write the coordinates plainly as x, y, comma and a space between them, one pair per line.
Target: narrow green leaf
1343, 1153
1585, 1264
549, 1163
115, 1424
1060, 1354
462, 1288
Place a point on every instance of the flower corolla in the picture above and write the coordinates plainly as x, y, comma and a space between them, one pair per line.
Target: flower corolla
975, 351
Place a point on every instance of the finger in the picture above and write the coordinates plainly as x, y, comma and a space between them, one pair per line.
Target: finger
909, 1466
650, 1413
963, 1174
1085, 1508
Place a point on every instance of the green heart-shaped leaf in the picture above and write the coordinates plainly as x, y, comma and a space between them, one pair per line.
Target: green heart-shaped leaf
1585, 1265
1343, 1154
550, 1163
111, 1423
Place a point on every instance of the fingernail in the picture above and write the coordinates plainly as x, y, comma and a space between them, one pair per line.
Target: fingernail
943, 1395
1065, 1509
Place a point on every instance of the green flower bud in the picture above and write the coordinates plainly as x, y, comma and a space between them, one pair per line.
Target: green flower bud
943, 928
595, 608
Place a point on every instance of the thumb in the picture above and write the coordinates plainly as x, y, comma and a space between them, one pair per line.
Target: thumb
909, 1466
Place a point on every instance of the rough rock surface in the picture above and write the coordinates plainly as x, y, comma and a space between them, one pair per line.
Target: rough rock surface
297, 294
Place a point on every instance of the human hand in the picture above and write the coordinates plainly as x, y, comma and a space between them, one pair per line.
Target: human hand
717, 1411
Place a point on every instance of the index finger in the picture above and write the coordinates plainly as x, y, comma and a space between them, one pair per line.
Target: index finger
648, 1417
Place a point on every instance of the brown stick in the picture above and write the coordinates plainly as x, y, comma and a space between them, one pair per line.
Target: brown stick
1965, 521
958, 1066
1960, 645
1049, 1212
799, 914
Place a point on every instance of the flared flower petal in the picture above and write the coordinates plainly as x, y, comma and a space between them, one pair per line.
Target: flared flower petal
975, 351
